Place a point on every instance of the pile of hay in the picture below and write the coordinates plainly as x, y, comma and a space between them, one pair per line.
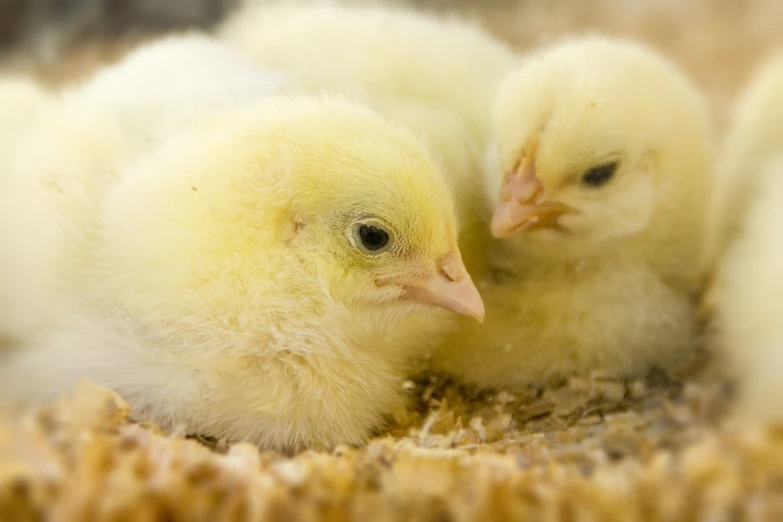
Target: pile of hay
592, 449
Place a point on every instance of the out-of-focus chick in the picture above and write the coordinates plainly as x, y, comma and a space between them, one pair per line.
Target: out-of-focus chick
756, 133
747, 248
21, 99
162, 86
242, 277
750, 297
85, 131
386, 51
603, 172
436, 77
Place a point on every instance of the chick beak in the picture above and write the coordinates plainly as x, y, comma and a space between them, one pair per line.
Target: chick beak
451, 288
522, 204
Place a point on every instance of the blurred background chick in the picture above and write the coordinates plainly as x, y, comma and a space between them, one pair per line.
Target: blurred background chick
748, 305
65, 147
755, 134
748, 246
60, 40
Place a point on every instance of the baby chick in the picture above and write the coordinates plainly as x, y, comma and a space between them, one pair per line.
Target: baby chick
242, 278
385, 51
85, 130
201, 74
755, 134
435, 77
604, 155
746, 245
20, 101
749, 300
20, 98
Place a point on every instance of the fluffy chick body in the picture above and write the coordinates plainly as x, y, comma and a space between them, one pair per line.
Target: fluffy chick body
754, 136
746, 246
85, 132
434, 76
212, 275
748, 304
599, 277
20, 99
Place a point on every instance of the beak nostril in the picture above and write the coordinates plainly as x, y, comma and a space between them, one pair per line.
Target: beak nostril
450, 267
448, 274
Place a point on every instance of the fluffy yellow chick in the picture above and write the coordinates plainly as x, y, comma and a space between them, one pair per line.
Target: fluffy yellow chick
163, 85
755, 134
750, 297
746, 247
385, 51
436, 77
604, 158
242, 278
21, 99
84, 131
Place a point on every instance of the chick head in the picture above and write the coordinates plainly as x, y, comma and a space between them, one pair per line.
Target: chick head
287, 204
594, 137
377, 220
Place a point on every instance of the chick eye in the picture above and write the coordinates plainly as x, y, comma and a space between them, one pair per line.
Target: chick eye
373, 238
600, 175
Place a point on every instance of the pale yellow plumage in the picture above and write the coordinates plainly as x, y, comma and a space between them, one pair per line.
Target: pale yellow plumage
217, 276
750, 299
596, 273
437, 77
84, 131
20, 99
754, 135
747, 249
21, 300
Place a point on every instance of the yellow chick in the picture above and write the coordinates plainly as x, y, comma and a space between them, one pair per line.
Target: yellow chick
242, 279
163, 85
21, 99
84, 131
436, 77
750, 295
600, 188
754, 135
385, 51
746, 247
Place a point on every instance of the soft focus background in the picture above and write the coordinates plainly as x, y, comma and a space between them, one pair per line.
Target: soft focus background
717, 41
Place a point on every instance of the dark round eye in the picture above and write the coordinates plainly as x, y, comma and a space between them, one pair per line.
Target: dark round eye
373, 238
600, 175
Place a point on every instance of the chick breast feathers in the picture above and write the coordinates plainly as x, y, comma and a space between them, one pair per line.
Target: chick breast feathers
239, 273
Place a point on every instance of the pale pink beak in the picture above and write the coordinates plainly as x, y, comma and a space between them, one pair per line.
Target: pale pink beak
451, 288
522, 204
